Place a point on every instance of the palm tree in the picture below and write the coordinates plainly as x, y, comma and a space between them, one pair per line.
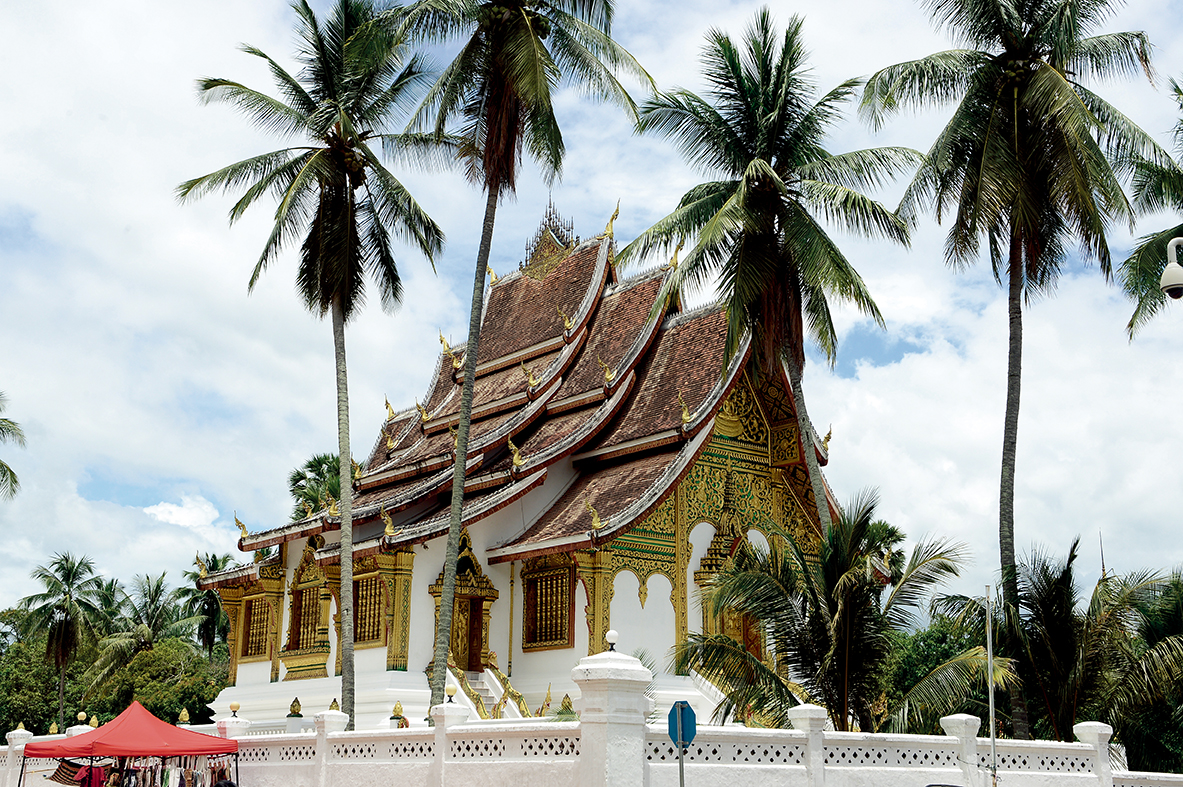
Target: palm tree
206, 605
335, 192
515, 54
10, 432
153, 613
826, 621
110, 599
64, 611
1158, 185
316, 484
757, 229
1024, 162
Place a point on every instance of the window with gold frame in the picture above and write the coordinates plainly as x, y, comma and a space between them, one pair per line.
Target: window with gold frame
255, 614
547, 622
367, 609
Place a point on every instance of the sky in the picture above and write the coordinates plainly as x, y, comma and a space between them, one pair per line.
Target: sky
159, 399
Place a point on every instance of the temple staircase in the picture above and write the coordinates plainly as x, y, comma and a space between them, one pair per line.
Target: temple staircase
476, 681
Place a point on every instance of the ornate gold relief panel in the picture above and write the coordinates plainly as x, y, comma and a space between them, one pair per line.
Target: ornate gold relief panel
306, 653
548, 592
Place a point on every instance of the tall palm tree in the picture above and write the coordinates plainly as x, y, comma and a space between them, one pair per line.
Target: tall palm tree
761, 132
1024, 163
153, 612
336, 193
826, 618
514, 55
1158, 186
205, 606
110, 599
10, 432
64, 611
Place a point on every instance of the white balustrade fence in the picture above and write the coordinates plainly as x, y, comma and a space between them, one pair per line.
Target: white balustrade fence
611, 746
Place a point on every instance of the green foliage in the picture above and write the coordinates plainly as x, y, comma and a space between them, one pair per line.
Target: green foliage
914, 655
10, 432
29, 685
205, 606
165, 679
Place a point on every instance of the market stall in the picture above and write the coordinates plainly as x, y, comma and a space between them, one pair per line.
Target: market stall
136, 749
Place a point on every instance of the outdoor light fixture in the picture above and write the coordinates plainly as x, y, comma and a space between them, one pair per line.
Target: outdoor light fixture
612, 638
1172, 276
234, 706
450, 691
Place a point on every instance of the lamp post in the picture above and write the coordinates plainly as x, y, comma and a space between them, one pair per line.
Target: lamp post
1172, 276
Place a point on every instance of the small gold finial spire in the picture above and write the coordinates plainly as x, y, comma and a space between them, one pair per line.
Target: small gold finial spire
333, 511
53, 728
567, 324
94, 720
202, 571
492, 275
423, 416
241, 526
615, 215
294, 708
334, 705
183, 716
20, 725
389, 410
386, 520
826, 439
595, 515
609, 374
513, 450
398, 709
685, 409
531, 380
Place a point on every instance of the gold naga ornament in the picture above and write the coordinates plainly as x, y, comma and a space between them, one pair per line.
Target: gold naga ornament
452, 430
307, 508
595, 515
672, 265
609, 373
531, 380
567, 324
608, 233
423, 416
492, 275
241, 526
826, 439
333, 511
448, 351
685, 409
514, 452
545, 703
390, 440
389, 530
389, 410
202, 571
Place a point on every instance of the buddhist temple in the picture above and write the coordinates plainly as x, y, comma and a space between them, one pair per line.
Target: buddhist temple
613, 466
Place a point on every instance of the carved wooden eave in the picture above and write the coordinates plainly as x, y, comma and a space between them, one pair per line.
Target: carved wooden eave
239, 576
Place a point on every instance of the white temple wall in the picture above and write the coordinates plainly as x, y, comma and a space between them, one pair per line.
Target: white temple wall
533, 671
653, 627
429, 559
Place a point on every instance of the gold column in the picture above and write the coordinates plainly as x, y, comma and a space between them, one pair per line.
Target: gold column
232, 605
679, 595
509, 655
398, 578
595, 569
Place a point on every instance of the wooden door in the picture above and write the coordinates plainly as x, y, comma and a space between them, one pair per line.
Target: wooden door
476, 639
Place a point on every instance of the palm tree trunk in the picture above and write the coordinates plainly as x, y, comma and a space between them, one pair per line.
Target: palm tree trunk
62, 699
443, 633
1006, 497
806, 431
346, 507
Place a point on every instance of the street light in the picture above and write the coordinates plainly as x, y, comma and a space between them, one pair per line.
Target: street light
1172, 276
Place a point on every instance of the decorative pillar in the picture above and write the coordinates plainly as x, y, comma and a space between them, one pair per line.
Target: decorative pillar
444, 716
811, 719
680, 595
614, 707
595, 569
398, 581
232, 606
326, 721
16, 749
1097, 735
964, 728
233, 726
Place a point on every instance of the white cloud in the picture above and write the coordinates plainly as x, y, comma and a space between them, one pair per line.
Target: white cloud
195, 513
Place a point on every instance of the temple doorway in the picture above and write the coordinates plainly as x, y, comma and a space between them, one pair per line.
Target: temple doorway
475, 594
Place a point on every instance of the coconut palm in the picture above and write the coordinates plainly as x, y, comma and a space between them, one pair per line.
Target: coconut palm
153, 612
514, 55
335, 193
206, 605
1158, 186
826, 618
10, 432
758, 227
65, 611
1029, 162
109, 599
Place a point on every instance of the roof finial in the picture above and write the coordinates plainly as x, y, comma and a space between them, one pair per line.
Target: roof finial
673, 263
455, 435
422, 412
531, 380
389, 410
448, 350
201, 566
241, 526
685, 409
615, 215
609, 373
390, 440
386, 520
595, 515
332, 505
513, 450
492, 275
826, 439
567, 325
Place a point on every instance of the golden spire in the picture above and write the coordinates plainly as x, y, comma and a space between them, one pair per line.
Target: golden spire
183, 718
53, 728
20, 725
94, 720
595, 515
567, 324
531, 380
422, 412
201, 566
332, 505
492, 275
398, 709
685, 409
609, 374
334, 705
389, 410
386, 520
513, 450
826, 439
611, 220
241, 526
294, 708
448, 349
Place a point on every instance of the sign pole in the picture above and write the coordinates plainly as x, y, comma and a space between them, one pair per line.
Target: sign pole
681, 755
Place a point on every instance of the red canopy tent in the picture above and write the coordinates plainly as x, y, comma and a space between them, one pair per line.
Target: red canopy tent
134, 733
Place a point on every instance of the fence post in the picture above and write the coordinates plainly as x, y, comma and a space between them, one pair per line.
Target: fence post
612, 730
445, 715
811, 719
1097, 735
326, 721
964, 728
16, 750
